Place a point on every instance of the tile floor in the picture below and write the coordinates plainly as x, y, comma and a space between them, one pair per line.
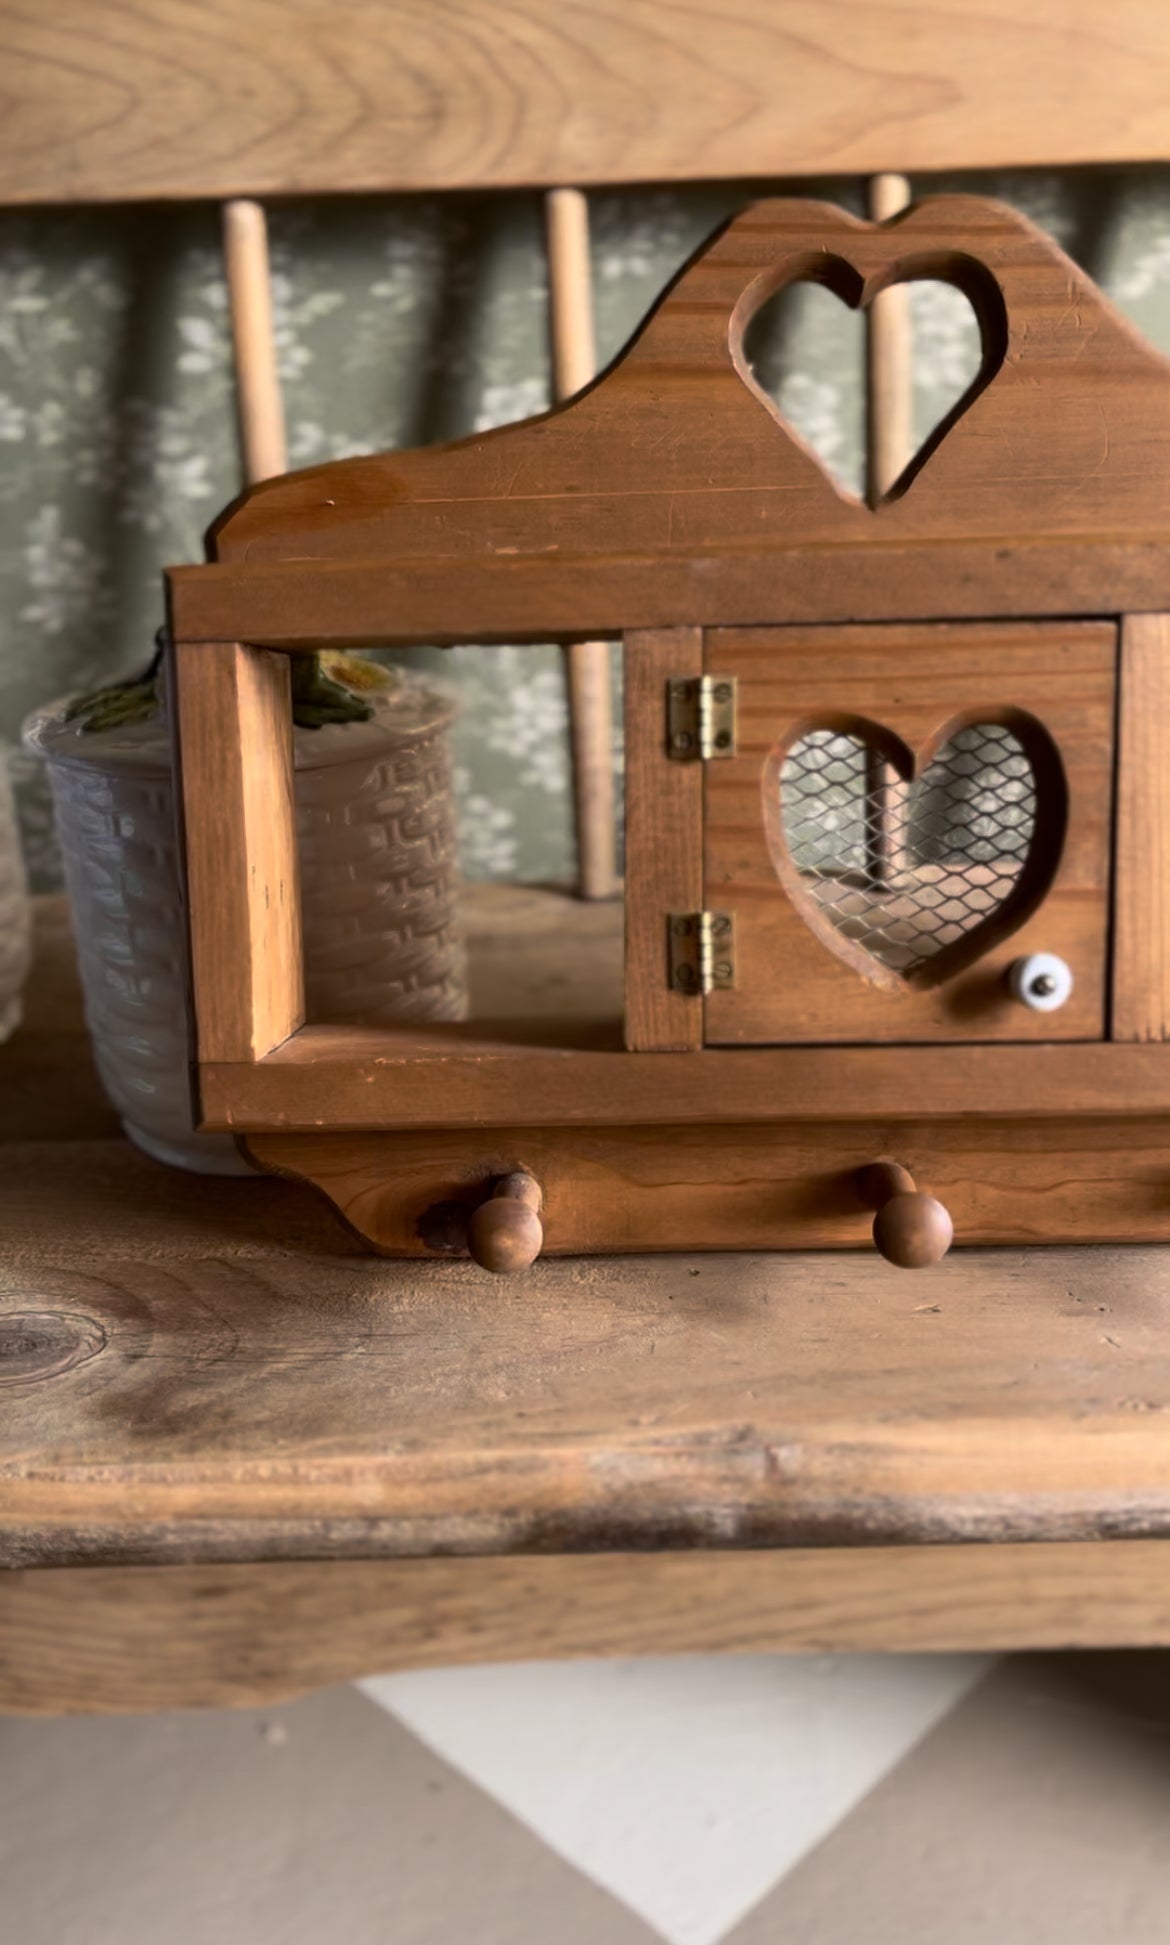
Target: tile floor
758, 1801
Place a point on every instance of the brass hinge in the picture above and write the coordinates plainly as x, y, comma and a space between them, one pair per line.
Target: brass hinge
700, 717
702, 952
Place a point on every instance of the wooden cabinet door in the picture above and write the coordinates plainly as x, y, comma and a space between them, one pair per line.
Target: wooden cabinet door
908, 811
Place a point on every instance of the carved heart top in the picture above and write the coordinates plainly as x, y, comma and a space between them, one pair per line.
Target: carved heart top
755, 319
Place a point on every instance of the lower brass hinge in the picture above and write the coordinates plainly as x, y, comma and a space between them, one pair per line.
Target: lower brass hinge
700, 717
702, 952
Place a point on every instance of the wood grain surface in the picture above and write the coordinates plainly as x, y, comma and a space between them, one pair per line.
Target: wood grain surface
82, 1640
234, 761
198, 1371
392, 602
776, 1184
357, 1078
664, 840
912, 682
276, 97
1141, 949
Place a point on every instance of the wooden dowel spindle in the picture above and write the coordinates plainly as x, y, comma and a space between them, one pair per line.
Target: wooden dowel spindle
890, 417
587, 676
570, 292
261, 410
889, 448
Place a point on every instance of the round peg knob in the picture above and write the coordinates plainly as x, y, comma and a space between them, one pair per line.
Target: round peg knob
1040, 981
910, 1229
505, 1233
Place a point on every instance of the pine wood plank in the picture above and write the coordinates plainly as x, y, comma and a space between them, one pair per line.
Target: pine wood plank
258, 97
779, 1185
1141, 953
356, 1078
213, 1373
391, 603
101, 1639
664, 840
234, 759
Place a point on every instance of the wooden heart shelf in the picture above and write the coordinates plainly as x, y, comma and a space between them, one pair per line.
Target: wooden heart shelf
957, 953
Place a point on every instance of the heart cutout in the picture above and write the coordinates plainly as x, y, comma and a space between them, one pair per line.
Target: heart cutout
796, 353
911, 868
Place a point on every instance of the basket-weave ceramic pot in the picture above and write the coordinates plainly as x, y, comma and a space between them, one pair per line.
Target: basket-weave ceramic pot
379, 881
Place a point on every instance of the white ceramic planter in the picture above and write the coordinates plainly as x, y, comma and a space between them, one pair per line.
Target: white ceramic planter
15, 912
379, 879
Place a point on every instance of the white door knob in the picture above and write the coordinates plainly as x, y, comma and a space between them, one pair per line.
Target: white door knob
1040, 981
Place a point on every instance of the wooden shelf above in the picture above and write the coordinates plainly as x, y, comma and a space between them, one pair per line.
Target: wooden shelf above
396, 98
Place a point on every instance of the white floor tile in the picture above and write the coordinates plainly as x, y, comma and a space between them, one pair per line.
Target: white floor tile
686, 1787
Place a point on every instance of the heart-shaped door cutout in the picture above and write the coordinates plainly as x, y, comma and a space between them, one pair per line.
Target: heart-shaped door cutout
807, 359
910, 868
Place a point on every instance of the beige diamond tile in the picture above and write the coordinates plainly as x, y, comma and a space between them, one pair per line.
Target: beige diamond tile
321, 1823
1035, 1814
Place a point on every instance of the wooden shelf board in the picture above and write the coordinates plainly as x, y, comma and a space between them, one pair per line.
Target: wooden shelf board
118, 1638
379, 1078
211, 1371
414, 1464
251, 101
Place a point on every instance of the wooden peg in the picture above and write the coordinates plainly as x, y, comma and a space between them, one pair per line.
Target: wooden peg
261, 410
910, 1229
505, 1233
890, 390
587, 678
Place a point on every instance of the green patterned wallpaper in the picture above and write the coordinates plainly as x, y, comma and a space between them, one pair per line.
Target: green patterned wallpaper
399, 322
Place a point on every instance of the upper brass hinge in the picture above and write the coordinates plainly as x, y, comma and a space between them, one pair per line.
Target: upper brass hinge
700, 717
702, 952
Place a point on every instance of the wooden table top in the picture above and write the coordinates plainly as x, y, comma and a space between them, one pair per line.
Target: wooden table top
208, 1371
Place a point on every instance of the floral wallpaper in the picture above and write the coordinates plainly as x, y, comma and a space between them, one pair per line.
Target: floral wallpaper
400, 322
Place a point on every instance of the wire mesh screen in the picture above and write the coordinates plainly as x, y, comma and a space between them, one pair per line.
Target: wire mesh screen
906, 869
